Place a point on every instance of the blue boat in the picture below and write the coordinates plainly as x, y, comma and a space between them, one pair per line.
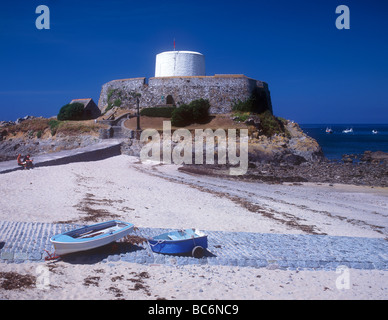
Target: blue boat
90, 237
178, 242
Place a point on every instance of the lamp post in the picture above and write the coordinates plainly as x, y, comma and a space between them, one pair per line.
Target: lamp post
137, 96
138, 113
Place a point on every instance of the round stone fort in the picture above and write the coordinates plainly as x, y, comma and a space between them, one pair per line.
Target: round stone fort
179, 79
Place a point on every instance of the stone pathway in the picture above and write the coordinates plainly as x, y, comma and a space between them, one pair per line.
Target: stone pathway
21, 242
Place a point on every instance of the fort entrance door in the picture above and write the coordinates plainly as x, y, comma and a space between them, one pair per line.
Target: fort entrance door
169, 99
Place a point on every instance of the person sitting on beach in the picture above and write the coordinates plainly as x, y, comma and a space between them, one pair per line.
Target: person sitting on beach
28, 161
20, 162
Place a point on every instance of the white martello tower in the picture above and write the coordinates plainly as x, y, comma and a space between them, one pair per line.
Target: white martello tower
179, 63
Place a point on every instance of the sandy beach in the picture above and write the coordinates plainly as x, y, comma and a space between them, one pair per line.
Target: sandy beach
160, 196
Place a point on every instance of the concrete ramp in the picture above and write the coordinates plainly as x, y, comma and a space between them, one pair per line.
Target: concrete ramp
98, 151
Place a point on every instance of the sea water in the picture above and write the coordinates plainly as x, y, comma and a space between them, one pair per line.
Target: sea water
338, 143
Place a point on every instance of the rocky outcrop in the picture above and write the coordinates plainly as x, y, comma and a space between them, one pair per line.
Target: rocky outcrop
9, 149
375, 157
294, 147
38, 135
291, 146
18, 120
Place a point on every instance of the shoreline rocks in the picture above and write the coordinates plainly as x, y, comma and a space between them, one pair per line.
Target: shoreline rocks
374, 157
363, 174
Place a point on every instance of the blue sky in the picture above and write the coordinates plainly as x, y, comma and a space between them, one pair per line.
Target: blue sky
316, 73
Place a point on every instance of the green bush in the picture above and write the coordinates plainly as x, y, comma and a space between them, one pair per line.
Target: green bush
200, 109
257, 102
110, 94
241, 116
182, 116
53, 124
71, 111
117, 103
243, 106
165, 112
196, 111
270, 124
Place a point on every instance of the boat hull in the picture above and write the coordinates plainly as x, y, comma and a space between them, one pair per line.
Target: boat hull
178, 242
90, 237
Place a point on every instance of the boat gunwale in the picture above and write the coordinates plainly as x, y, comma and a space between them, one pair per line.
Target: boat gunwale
156, 239
91, 239
175, 240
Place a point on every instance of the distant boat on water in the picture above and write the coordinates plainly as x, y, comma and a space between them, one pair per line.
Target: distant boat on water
361, 139
348, 130
375, 132
329, 130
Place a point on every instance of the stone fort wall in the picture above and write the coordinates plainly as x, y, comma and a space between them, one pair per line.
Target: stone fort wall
220, 90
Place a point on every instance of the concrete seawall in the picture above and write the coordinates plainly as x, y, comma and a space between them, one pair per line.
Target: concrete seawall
98, 151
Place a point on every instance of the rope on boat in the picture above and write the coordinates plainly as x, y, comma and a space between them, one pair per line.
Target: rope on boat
158, 242
51, 256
